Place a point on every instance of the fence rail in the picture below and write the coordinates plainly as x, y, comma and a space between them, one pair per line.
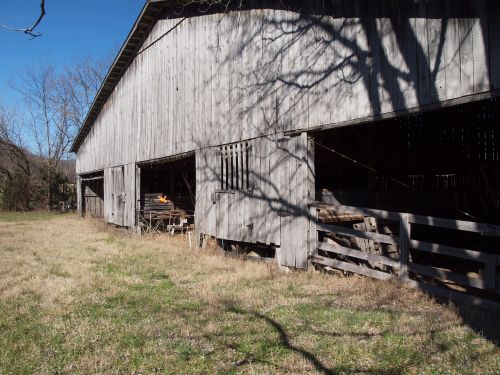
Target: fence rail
458, 284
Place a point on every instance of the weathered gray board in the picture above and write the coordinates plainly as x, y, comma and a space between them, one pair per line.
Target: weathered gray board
294, 220
274, 209
119, 195
217, 79
79, 197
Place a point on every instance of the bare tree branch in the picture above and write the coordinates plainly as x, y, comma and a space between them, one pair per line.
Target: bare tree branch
30, 31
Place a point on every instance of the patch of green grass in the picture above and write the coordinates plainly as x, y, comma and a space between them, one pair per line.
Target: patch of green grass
13, 217
26, 341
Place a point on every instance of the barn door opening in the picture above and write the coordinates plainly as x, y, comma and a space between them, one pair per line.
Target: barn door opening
167, 197
92, 194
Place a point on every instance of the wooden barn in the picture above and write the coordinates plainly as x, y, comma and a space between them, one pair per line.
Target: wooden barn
360, 135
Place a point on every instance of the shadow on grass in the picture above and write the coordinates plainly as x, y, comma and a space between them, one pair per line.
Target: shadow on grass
484, 323
285, 343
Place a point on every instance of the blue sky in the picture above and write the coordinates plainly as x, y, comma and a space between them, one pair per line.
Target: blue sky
71, 29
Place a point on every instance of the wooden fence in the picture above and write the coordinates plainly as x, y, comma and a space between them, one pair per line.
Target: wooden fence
389, 250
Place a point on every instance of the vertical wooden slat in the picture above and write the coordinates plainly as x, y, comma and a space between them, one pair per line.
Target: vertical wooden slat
79, 196
452, 51
436, 28
311, 196
404, 247
137, 192
480, 45
465, 24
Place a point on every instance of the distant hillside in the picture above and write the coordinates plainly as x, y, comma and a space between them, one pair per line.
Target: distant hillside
68, 167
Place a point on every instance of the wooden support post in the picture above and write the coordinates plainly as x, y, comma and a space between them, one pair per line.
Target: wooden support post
404, 247
137, 196
311, 196
79, 196
313, 232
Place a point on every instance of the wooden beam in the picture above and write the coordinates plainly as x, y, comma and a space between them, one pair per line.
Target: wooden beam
447, 275
468, 226
451, 251
358, 254
384, 238
389, 215
351, 267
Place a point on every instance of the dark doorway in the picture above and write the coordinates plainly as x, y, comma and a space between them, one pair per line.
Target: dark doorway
175, 180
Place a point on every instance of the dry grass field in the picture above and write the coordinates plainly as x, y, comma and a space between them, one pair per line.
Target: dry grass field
77, 297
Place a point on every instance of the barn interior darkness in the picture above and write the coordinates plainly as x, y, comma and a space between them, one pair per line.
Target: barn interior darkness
176, 179
444, 163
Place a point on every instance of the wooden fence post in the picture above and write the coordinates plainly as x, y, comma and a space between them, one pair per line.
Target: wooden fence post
404, 247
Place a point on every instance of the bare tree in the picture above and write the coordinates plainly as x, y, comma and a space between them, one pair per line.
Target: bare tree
78, 86
56, 106
15, 163
30, 30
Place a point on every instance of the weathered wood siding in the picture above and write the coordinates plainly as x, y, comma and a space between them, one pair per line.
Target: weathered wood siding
218, 79
274, 209
120, 195
79, 195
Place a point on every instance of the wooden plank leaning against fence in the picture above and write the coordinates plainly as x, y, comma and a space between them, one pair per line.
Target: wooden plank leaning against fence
426, 277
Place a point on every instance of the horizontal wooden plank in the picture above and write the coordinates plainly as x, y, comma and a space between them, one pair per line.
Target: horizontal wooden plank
451, 251
358, 254
446, 275
330, 217
351, 267
478, 302
468, 226
490, 231
83, 179
377, 237
389, 215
